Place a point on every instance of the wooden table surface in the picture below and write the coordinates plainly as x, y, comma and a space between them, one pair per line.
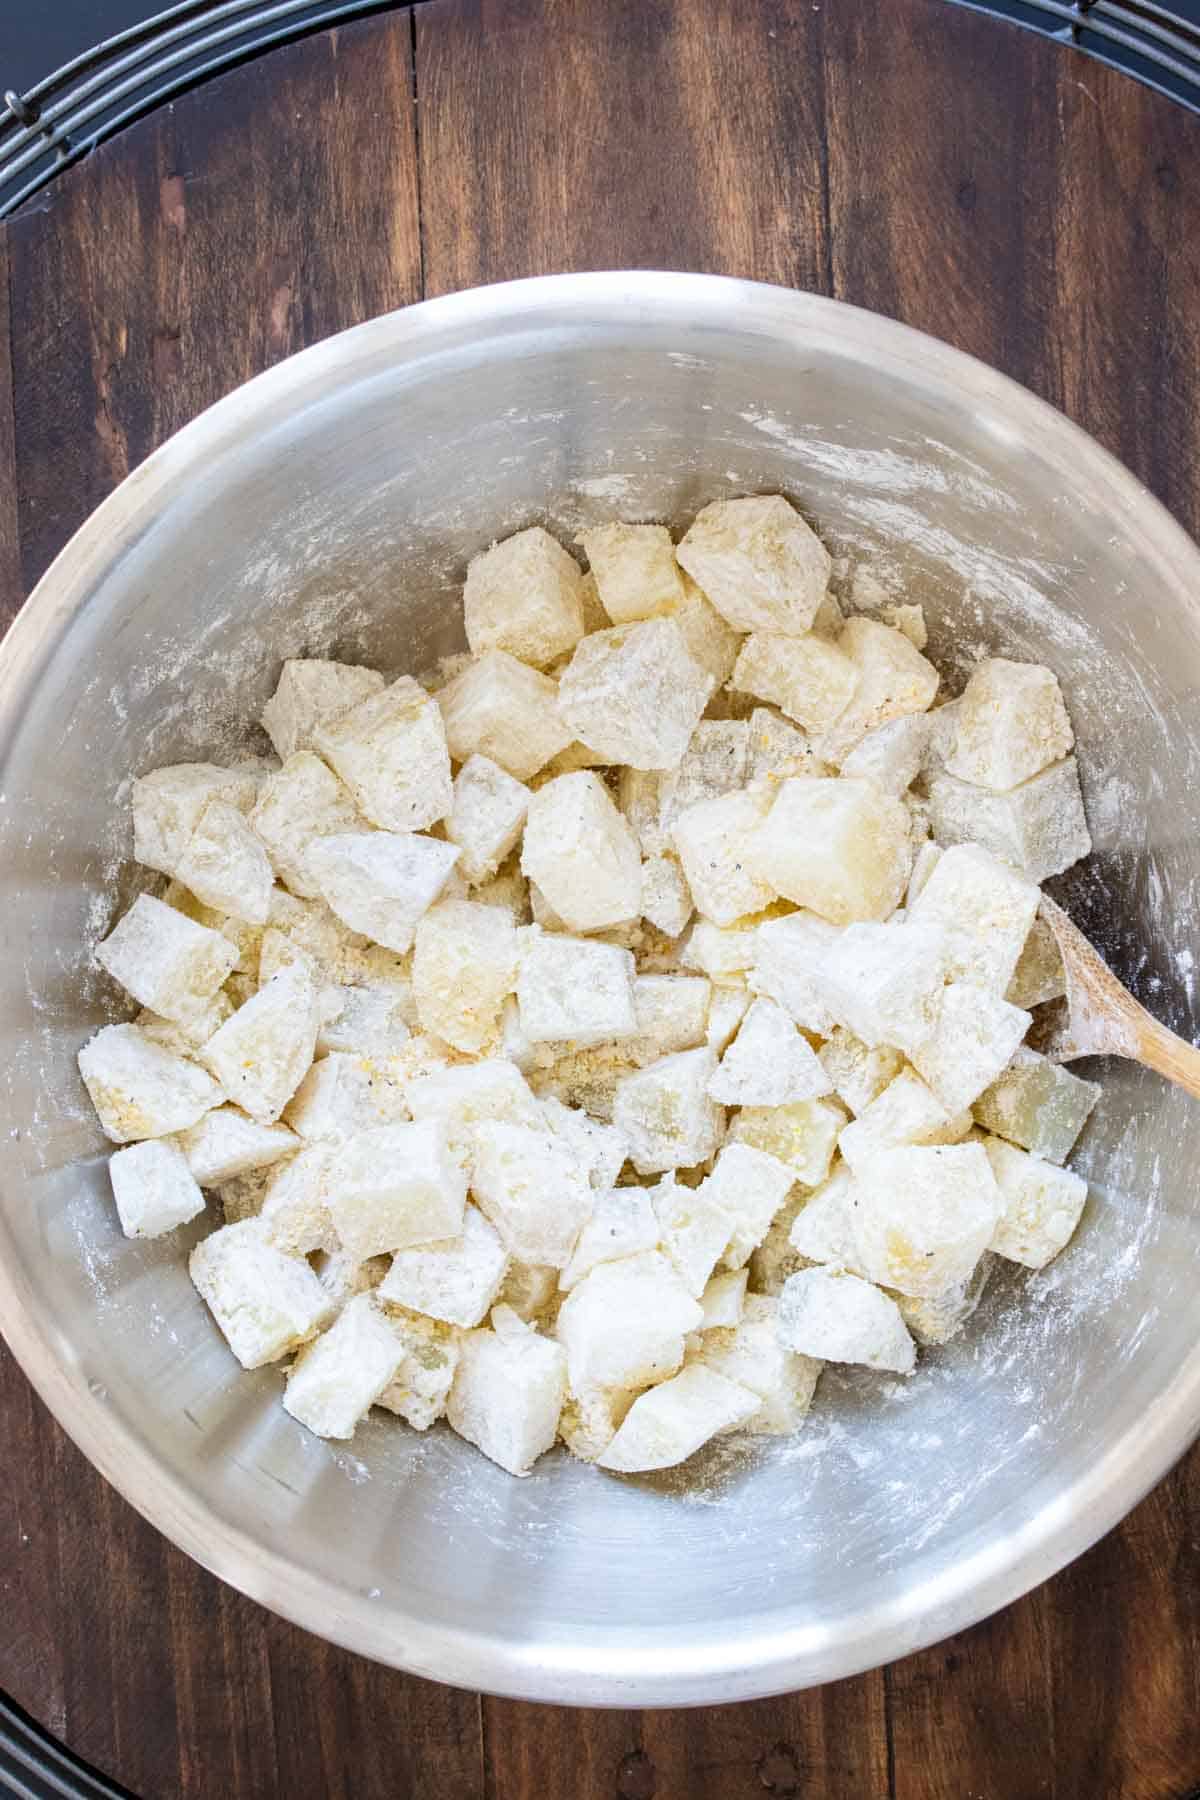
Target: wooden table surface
974, 180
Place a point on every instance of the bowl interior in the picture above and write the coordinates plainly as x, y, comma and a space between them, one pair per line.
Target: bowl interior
331, 508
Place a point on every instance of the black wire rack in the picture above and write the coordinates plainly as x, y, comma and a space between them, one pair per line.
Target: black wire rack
63, 117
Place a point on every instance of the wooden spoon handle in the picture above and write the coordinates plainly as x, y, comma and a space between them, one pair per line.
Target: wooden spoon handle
1169, 1055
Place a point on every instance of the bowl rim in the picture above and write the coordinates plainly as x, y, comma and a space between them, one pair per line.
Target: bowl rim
794, 1656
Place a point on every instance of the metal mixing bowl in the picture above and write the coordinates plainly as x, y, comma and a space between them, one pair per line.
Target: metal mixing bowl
331, 506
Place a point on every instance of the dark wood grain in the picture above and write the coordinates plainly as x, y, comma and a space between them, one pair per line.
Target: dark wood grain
975, 181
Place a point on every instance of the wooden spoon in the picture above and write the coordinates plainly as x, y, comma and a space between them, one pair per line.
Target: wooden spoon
1104, 1019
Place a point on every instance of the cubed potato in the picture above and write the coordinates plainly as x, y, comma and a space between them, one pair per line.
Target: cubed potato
166, 961
985, 909
421, 1386
892, 755
758, 562
803, 1135
833, 1316
395, 1186
298, 805
1039, 975
574, 990
634, 694
778, 751
265, 1303
463, 1096
822, 1230
1038, 1105
589, 1421
339, 953
693, 1229
153, 1187
973, 1039
1038, 828
226, 866
808, 679
382, 882
335, 1381
140, 1090
936, 1318
294, 1213
524, 596
582, 854
840, 848
859, 1072
923, 1215
390, 750
886, 982
261, 1055
344, 1094
507, 1395
311, 691
371, 1022
533, 1188
723, 1301
726, 1010
600, 1149
666, 1114
1012, 723
713, 842
672, 1014
716, 762
747, 1187
623, 1223
725, 954
768, 1063
752, 1354
788, 956
227, 1143
906, 1111
666, 897
1041, 1204
502, 709
635, 570
709, 640
455, 1280
624, 1324
464, 965
894, 679
167, 804
673, 1420
486, 818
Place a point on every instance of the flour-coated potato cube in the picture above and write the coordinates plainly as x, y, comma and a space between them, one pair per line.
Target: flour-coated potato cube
892, 755
623, 1223
140, 1090
294, 1213
244, 937
788, 956
1038, 1105
487, 816
910, 620
666, 897
371, 1022
469, 1093
972, 1041
635, 570
225, 864
1012, 723
758, 562
666, 1114
430, 1352
589, 1421
574, 990
838, 848
188, 1033
227, 1143
894, 679
752, 1354
725, 954
166, 961
1038, 828
724, 1299
808, 679
713, 843
265, 1303
382, 882
672, 1014
885, 982
709, 640
464, 966
859, 1072
803, 1135
823, 1230
344, 1094
923, 1215
716, 762
673, 1420
533, 1187
456, 1280
936, 1318
1039, 975
600, 1149
524, 596
834, 1316
768, 1063
335, 1381
634, 694
390, 750
153, 1187
777, 750
167, 804
543, 913
624, 1324
507, 1395
311, 691
502, 709
693, 1228
727, 1008
639, 796
261, 1055
298, 805
906, 1111
747, 1186
339, 953
985, 909
394, 1186
581, 853
1041, 1204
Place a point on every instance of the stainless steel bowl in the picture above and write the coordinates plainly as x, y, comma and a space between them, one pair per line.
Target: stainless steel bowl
331, 505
